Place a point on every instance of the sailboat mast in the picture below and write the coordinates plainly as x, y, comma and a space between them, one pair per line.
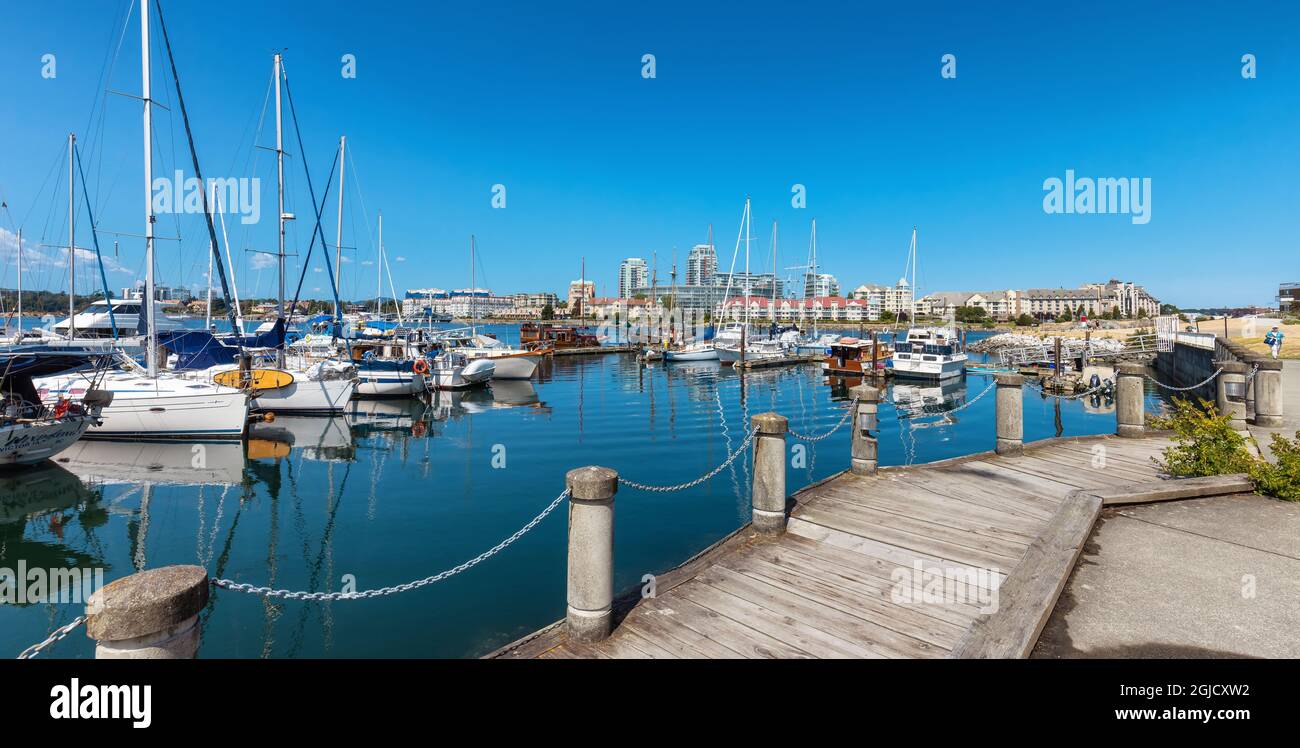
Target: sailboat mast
472, 281
279, 167
912, 317
812, 269
379, 269
146, 94
338, 236
72, 245
20, 282
772, 312
749, 284
207, 323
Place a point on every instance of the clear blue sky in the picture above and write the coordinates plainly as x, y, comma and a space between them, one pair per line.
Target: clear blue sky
749, 99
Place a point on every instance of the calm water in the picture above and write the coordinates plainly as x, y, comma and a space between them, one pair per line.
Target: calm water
395, 491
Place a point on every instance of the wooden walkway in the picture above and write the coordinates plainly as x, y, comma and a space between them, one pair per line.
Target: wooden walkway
829, 586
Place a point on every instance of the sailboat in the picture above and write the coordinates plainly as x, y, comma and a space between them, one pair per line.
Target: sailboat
766, 349
814, 344
695, 350
148, 404
259, 361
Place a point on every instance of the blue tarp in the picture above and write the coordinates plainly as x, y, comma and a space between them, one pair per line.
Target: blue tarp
200, 349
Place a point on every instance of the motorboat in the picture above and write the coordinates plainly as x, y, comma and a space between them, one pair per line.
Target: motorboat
509, 363
929, 353
96, 321
450, 370
854, 357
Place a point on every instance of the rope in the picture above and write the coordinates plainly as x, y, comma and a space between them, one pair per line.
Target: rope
691, 484
843, 419
384, 591
1184, 389
58, 634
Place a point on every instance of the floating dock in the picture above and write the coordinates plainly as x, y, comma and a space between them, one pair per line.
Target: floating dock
595, 349
764, 363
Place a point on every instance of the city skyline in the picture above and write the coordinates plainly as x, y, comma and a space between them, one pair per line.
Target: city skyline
589, 153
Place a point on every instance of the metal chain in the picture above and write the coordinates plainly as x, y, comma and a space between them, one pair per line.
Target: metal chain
1184, 389
1254, 370
58, 634
973, 400
383, 591
691, 484
853, 406
1075, 396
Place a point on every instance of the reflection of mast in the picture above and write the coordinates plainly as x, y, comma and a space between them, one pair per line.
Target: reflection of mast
139, 558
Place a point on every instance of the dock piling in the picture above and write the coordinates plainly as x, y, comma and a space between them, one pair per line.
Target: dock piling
1268, 394
1230, 392
1130, 408
768, 493
864, 457
1010, 414
150, 615
589, 615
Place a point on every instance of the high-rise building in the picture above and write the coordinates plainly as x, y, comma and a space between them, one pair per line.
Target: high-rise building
632, 274
701, 265
580, 295
823, 284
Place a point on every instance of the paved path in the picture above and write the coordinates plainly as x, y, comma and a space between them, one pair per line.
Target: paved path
1290, 409
1212, 577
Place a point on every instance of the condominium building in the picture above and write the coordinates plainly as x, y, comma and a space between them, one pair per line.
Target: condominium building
753, 284
823, 284
1091, 299
632, 273
701, 265
580, 295
893, 299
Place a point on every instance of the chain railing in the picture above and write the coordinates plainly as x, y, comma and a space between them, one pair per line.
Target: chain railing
1075, 395
234, 586
853, 406
1172, 388
691, 484
58, 634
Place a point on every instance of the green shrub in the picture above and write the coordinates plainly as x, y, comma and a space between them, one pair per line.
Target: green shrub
1206, 444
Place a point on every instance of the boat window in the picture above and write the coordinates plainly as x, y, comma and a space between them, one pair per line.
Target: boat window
127, 309
96, 309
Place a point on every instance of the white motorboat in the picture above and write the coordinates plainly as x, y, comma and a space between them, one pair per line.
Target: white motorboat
454, 371
95, 321
509, 363
929, 353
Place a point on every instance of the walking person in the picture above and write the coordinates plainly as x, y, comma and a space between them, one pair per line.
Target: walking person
1274, 340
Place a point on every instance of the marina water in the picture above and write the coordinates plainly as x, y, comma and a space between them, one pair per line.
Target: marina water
399, 490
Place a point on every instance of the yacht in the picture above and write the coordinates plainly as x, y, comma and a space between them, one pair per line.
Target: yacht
32, 430
508, 363
929, 353
95, 321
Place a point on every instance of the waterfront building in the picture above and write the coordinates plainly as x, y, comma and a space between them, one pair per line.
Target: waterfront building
1288, 298
1091, 299
460, 303
687, 297
794, 311
632, 273
701, 265
753, 284
580, 295
823, 284
894, 299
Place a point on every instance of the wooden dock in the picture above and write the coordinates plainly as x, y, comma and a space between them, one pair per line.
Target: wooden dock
830, 585
595, 349
763, 363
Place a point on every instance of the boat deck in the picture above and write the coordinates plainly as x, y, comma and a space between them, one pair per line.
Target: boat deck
836, 583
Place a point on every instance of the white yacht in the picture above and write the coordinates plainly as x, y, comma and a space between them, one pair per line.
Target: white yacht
95, 321
508, 363
929, 353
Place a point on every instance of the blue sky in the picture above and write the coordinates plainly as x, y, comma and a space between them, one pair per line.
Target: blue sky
748, 99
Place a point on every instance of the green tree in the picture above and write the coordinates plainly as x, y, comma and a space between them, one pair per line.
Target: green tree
548, 312
1025, 320
970, 314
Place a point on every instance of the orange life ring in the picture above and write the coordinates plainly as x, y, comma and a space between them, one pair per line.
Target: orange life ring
421, 366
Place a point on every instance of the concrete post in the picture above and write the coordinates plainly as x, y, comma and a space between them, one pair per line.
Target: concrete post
768, 492
1268, 394
151, 615
589, 616
1251, 361
1130, 409
864, 457
1010, 414
1230, 392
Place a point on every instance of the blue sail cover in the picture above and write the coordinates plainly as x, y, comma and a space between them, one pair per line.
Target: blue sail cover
200, 349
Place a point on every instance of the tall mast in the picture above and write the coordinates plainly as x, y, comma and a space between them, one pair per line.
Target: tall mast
379, 268
472, 281
812, 269
72, 245
912, 316
20, 282
279, 166
338, 237
212, 248
749, 285
151, 333
772, 312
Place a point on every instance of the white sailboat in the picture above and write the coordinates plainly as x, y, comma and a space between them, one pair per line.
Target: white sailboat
149, 404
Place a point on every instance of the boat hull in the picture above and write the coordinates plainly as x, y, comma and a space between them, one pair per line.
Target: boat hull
147, 409
514, 366
306, 397
703, 354
30, 443
920, 369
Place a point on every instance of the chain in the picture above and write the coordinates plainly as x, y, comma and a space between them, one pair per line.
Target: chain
1075, 396
853, 406
683, 486
384, 591
58, 634
973, 400
1184, 389
1254, 370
